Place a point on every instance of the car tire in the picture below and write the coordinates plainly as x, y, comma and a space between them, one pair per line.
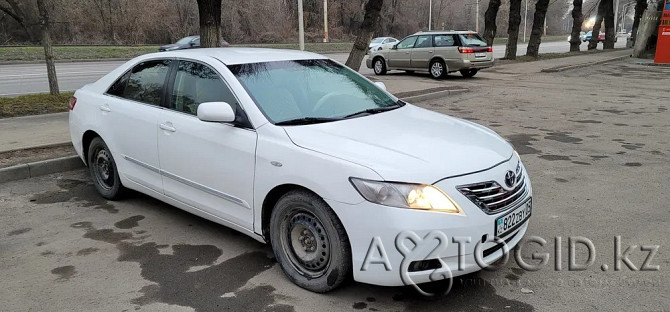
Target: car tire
103, 170
379, 66
309, 242
469, 73
437, 69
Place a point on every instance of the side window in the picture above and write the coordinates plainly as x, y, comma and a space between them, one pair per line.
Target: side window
424, 42
119, 86
444, 40
146, 82
196, 83
407, 43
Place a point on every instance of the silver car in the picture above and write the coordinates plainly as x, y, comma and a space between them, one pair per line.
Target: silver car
438, 52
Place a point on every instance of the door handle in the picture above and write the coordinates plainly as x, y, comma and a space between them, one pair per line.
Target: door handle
430, 51
105, 108
167, 127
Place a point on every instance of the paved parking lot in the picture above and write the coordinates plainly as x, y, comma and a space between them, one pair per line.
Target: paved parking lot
595, 142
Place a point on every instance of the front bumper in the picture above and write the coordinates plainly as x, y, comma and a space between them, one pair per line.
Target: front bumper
374, 232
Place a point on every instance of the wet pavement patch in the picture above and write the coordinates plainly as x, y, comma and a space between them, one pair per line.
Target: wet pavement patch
521, 143
587, 121
632, 146
86, 251
554, 157
562, 137
201, 289
633, 164
581, 163
64, 273
19, 231
360, 305
129, 223
80, 191
561, 180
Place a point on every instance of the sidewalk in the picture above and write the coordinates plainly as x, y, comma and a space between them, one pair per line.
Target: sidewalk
33, 131
578, 60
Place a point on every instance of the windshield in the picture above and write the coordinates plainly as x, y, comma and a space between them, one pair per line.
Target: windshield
310, 89
185, 40
472, 40
377, 40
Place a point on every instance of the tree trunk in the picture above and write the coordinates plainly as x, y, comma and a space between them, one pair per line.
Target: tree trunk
490, 21
210, 23
538, 24
577, 21
48, 52
595, 33
610, 32
364, 33
513, 29
640, 7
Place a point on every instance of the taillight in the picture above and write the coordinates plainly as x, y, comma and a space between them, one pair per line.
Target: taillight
466, 50
490, 49
73, 102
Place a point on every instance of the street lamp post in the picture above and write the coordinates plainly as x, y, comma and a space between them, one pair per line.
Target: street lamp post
301, 27
325, 21
430, 15
477, 19
525, 19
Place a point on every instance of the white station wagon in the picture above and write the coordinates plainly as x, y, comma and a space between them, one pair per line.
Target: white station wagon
299, 151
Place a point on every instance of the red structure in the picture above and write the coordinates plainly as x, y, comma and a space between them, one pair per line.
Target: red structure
663, 43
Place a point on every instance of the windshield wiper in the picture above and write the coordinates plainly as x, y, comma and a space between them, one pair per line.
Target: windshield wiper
306, 121
376, 110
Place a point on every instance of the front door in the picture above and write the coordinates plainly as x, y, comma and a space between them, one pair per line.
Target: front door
401, 56
131, 108
208, 165
422, 52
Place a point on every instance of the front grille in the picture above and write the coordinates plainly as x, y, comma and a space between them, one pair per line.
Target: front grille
491, 197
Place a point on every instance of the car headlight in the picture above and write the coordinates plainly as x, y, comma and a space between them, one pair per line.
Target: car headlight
406, 195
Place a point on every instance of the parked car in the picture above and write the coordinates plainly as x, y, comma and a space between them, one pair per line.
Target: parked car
582, 35
277, 144
601, 37
189, 42
438, 52
381, 43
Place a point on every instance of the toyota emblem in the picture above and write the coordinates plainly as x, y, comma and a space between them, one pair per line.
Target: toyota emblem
510, 178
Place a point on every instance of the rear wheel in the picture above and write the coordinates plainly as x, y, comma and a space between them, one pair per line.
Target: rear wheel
469, 73
379, 66
437, 69
103, 170
309, 242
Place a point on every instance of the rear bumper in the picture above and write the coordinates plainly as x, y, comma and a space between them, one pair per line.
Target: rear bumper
456, 65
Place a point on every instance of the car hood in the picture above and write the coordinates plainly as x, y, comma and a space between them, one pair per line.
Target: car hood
408, 144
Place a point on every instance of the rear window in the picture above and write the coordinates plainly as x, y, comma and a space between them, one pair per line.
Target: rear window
472, 40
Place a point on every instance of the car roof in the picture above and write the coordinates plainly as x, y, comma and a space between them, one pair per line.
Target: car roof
233, 55
445, 32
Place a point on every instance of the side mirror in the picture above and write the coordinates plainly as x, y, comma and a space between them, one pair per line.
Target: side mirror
395, 47
216, 112
380, 85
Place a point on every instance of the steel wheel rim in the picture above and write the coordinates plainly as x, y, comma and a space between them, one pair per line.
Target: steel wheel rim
305, 242
436, 69
103, 169
378, 66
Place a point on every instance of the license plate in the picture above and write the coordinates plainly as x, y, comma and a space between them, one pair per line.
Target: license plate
480, 54
514, 218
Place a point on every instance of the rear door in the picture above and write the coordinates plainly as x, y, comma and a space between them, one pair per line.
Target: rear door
207, 165
422, 52
129, 113
446, 47
401, 56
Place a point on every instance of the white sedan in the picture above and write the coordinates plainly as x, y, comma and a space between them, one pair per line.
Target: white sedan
299, 151
382, 43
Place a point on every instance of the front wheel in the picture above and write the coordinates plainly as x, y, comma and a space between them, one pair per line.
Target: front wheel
379, 66
103, 170
437, 69
469, 73
309, 242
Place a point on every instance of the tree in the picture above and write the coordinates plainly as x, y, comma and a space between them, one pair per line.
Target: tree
513, 29
490, 21
640, 7
538, 24
610, 32
595, 33
48, 51
16, 13
210, 23
577, 21
364, 33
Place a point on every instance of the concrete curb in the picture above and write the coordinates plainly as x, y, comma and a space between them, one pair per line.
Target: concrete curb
40, 168
574, 66
433, 95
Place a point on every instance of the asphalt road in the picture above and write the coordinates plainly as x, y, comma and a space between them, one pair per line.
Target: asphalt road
31, 78
594, 141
